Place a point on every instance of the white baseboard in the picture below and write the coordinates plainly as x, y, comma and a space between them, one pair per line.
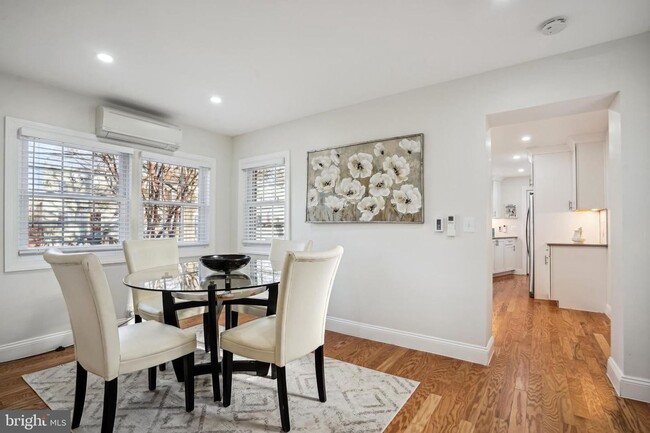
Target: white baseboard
634, 388
608, 311
440, 346
520, 271
34, 346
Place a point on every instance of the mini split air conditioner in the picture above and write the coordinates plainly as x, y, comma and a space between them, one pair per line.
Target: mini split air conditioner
132, 128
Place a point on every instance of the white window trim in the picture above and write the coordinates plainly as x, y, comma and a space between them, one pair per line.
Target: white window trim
14, 262
260, 161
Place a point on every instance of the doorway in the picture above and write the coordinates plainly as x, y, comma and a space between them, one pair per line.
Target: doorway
549, 164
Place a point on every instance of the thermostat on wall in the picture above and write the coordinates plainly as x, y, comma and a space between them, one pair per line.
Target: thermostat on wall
439, 225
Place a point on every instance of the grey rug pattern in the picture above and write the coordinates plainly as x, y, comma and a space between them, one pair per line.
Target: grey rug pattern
358, 400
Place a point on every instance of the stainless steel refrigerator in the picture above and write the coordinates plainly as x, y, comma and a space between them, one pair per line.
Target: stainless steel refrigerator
530, 242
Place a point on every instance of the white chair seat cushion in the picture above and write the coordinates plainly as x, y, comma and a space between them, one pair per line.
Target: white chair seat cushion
253, 310
253, 340
149, 344
152, 309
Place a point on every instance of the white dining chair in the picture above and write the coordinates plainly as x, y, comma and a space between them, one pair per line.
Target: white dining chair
297, 329
106, 350
148, 305
279, 249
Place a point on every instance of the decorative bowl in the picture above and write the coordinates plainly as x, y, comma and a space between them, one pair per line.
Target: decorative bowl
225, 262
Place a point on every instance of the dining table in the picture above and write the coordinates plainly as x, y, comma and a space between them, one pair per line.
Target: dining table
190, 284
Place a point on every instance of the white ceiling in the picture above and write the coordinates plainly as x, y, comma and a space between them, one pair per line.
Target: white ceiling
506, 140
276, 60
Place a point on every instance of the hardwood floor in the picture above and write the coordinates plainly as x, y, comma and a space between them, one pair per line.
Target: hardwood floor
547, 375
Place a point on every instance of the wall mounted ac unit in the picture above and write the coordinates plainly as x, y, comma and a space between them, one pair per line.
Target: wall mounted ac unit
131, 128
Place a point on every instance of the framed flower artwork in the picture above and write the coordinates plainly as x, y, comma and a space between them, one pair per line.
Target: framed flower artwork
380, 181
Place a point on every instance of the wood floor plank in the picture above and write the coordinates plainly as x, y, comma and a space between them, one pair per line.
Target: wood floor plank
548, 374
420, 421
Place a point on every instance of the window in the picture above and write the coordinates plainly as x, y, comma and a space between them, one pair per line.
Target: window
174, 201
265, 199
71, 197
67, 189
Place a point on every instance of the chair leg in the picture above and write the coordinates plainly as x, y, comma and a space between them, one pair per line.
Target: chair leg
162, 367
226, 364
110, 406
283, 398
234, 318
188, 371
320, 373
152, 378
228, 316
206, 331
274, 372
79, 395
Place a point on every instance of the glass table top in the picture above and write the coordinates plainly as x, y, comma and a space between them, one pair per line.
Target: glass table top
194, 277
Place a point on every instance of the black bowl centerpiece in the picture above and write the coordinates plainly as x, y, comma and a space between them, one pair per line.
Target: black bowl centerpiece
225, 262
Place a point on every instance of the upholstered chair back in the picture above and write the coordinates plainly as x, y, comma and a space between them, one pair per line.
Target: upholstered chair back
303, 297
91, 310
150, 253
280, 248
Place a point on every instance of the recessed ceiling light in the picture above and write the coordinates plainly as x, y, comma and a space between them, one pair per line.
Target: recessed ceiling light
215, 99
106, 58
521, 170
525, 138
516, 157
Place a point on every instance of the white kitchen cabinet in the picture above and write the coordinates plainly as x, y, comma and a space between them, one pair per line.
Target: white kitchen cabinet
553, 182
509, 254
590, 175
497, 206
504, 255
498, 256
579, 277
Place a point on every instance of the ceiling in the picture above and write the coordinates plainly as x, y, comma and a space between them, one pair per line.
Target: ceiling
506, 139
277, 60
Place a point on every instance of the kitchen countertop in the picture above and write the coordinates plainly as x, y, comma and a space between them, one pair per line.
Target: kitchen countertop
574, 244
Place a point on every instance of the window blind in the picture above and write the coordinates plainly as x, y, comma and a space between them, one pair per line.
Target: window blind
175, 201
72, 197
264, 204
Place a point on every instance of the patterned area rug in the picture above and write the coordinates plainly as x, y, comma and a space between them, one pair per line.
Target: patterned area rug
358, 400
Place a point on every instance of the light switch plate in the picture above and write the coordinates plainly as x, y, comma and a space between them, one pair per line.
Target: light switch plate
468, 225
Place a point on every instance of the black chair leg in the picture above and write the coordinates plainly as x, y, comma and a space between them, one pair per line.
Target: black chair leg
234, 318
110, 406
206, 331
79, 395
188, 371
228, 316
274, 372
162, 367
152, 378
226, 364
283, 398
320, 373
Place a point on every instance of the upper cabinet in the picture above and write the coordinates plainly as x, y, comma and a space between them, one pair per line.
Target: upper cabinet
590, 175
497, 206
570, 180
553, 182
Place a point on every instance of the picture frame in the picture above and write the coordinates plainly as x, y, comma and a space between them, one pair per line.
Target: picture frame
376, 181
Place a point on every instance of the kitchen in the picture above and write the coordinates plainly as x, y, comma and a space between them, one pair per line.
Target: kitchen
549, 201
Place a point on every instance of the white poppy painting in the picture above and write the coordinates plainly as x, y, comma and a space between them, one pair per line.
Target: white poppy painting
376, 181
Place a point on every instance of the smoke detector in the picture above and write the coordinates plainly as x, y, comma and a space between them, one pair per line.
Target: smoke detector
553, 26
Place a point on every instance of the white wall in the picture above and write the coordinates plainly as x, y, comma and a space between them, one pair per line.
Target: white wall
403, 280
32, 306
